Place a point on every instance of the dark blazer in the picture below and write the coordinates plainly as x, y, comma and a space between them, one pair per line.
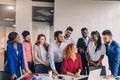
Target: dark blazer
81, 44
114, 58
14, 61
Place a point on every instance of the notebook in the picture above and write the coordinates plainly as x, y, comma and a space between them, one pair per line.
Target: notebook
93, 75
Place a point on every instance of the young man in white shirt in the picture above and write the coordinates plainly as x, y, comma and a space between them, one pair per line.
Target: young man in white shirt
55, 51
67, 37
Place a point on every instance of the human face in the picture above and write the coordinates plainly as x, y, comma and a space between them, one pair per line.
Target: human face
28, 38
42, 40
60, 38
74, 49
106, 39
84, 33
94, 38
68, 33
17, 39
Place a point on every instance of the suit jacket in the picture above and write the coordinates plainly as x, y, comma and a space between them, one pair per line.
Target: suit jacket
14, 60
114, 58
81, 44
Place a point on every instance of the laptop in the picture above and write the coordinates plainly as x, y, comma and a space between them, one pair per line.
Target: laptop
93, 75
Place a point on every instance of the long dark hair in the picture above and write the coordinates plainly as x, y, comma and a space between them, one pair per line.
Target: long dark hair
38, 42
99, 42
11, 37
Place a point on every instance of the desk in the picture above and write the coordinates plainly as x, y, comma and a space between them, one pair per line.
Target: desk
65, 77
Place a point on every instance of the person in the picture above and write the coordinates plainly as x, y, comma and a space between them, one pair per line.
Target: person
96, 50
14, 54
28, 55
67, 37
72, 64
82, 44
113, 52
41, 57
55, 52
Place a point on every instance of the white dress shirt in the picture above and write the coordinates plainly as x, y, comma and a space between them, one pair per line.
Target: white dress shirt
56, 54
69, 40
95, 56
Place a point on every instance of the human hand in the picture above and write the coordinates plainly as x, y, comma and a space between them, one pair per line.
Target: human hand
82, 50
55, 72
46, 64
23, 72
28, 71
109, 77
77, 74
14, 76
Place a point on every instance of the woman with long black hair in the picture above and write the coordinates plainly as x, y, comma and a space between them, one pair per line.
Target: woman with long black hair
15, 58
96, 50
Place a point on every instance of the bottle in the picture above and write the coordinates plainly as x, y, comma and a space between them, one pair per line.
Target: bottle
34, 78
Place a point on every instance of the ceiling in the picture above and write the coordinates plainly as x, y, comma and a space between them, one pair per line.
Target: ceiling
44, 0
7, 15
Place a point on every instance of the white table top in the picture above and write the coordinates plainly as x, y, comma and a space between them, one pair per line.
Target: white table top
65, 77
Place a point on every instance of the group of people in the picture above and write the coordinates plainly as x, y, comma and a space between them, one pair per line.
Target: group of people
62, 56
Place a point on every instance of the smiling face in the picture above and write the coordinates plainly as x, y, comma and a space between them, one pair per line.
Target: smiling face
68, 33
17, 39
94, 38
59, 38
42, 40
84, 33
107, 39
27, 38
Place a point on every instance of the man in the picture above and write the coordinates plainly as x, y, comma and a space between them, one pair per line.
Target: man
55, 51
28, 56
67, 38
82, 44
113, 52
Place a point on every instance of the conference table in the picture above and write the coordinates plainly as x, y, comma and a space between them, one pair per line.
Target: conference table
59, 77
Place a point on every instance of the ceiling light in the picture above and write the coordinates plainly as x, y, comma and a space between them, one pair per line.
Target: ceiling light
11, 8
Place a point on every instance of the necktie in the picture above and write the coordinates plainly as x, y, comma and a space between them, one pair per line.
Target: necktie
107, 46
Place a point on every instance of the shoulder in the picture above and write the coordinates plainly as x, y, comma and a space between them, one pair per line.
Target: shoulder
78, 56
79, 39
35, 46
115, 44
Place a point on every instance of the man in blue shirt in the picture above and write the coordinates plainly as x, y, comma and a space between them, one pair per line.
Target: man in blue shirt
113, 52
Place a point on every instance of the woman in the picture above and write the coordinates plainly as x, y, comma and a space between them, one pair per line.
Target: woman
41, 55
15, 57
96, 50
72, 63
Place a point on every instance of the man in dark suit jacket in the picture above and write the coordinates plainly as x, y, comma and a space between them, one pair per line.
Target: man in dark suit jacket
82, 44
113, 52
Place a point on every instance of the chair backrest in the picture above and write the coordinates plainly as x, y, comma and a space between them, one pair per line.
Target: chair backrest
5, 56
5, 76
103, 71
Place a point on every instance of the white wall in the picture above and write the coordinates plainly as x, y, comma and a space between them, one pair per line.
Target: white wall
95, 15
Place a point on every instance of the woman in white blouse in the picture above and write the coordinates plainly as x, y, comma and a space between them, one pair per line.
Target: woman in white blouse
96, 50
41, 55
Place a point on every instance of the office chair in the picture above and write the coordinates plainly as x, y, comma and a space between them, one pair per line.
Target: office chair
103, 71
5, 76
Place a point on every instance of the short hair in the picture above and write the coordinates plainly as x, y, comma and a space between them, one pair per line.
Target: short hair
56, 33
107, 32
70, 28
84, 29
25, 33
